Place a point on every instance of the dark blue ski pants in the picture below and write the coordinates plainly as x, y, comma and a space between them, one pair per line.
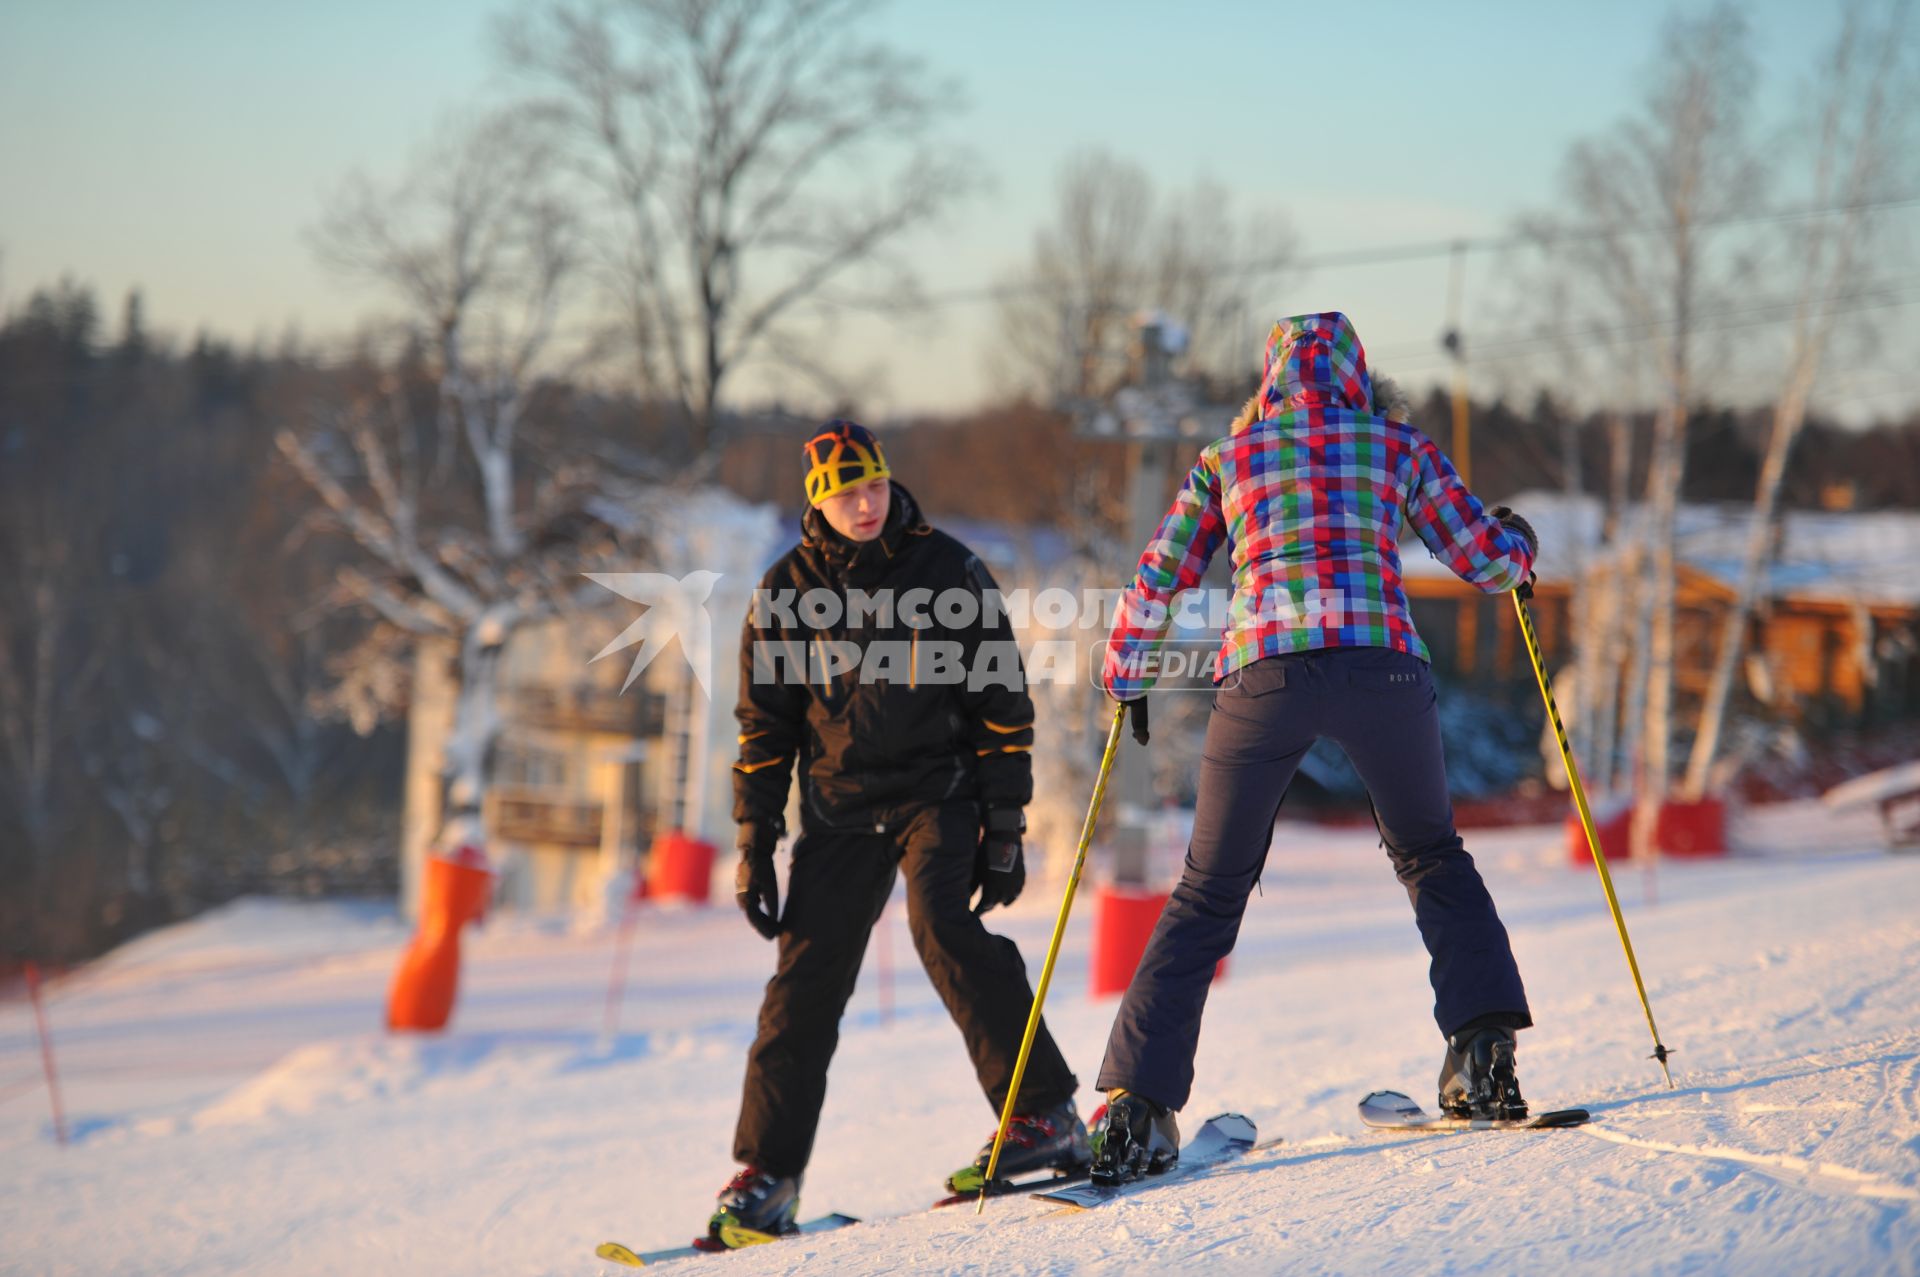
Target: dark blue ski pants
1378, 705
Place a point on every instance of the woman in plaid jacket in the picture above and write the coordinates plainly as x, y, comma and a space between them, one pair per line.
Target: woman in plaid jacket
1308, 492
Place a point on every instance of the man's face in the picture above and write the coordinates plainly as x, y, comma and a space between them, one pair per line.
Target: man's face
860, 512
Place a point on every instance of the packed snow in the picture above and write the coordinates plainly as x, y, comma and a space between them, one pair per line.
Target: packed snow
235, 1107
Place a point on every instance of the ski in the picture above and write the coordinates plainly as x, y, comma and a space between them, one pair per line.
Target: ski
1220, 1139
1009, 1187
731, 1238
1392, 1111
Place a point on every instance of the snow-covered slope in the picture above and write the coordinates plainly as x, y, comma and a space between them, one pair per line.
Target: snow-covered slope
238, 1110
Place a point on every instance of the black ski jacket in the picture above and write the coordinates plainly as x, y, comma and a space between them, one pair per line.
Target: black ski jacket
878, 741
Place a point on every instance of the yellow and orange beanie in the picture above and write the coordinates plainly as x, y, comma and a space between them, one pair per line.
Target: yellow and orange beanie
840, 455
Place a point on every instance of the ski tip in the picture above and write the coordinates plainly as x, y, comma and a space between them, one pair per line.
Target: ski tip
1561, 1117
1387, 1099
1390, 1108
1235, 1126
614, 1252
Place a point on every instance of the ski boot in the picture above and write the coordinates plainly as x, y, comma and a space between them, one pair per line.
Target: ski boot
1052, 1139
753, 1202
1132, 1136
1477, 1078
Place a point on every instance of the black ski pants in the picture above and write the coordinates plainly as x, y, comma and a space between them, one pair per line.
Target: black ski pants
1378, 705
840, 882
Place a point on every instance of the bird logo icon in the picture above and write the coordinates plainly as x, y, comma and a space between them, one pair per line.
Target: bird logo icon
675, 606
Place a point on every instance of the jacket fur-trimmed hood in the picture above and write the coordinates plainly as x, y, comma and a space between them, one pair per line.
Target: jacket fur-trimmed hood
1311, 360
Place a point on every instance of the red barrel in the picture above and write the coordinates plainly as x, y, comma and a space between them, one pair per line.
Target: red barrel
1123, 920
454, 892
680, 867
1695, 831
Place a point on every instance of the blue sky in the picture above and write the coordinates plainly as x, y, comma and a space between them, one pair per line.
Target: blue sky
185, 147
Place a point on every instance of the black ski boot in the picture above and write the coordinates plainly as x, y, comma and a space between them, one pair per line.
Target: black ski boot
1477, 1078
756, 1201
1132, 1136
1052, 1139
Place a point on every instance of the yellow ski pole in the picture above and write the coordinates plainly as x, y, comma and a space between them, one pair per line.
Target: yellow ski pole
1520, 597
1053, 951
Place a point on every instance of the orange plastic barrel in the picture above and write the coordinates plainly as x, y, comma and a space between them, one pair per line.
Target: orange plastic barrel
1123, 921
1614, 830
680, 867
454, 892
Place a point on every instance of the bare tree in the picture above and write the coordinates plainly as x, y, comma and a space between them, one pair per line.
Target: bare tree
35, 554
1557, 287
1063, 319
1115, 247
52, 511
480, 252
1861, 150
750, 154
128, 758
481, 257
1641, 249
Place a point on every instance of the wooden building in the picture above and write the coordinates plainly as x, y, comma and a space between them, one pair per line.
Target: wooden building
587, 769
1834, 641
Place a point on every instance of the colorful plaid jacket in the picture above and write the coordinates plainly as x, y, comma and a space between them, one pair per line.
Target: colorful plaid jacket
1308, 491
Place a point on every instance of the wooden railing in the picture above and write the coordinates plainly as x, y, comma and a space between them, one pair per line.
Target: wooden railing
588, 709
536, 816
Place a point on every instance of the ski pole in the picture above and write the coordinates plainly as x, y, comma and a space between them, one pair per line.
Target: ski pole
1520, 596
1053, 950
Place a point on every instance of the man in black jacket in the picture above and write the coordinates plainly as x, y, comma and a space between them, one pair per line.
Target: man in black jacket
877, 657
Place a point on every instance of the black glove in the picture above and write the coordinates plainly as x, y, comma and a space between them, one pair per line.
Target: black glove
999, 867
755, 885
1137, 713
1514, 523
